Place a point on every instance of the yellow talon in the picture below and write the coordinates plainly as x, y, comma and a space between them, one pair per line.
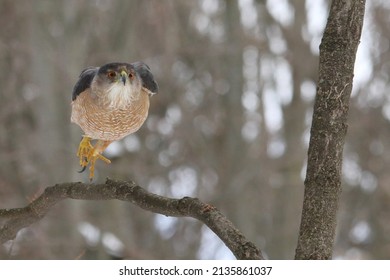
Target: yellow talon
89, 154
84, 151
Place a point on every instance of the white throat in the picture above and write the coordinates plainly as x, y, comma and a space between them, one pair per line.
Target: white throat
120, 96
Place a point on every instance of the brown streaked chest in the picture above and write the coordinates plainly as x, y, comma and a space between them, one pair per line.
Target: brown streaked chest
107, 123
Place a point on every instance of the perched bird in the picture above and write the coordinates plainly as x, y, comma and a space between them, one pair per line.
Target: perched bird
108, 103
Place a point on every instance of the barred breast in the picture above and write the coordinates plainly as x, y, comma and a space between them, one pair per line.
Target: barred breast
107, 123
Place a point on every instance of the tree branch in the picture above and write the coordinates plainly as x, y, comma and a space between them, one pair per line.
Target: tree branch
19, 218
329, 127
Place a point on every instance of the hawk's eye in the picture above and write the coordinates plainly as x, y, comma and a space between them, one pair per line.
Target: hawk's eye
111, 74
131, 75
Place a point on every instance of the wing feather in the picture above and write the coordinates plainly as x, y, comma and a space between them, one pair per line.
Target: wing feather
84, 82
146, 75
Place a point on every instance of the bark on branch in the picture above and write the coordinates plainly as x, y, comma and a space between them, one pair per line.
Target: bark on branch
329, 127
19, 218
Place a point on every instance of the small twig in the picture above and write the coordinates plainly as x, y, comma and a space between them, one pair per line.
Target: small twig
19, 218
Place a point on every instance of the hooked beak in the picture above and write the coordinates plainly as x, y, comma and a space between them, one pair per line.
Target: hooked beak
123, 77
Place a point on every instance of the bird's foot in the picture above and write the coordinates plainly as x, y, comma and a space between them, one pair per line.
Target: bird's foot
89, 154
84, 151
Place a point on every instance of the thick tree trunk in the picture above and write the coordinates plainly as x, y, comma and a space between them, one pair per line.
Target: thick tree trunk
329, 127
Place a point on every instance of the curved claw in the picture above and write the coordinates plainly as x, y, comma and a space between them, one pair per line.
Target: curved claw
89, 154
82, 169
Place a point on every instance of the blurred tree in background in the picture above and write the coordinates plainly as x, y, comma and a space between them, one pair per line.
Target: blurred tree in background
230, 125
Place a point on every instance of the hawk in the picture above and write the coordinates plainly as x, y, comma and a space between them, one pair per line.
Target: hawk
108, 103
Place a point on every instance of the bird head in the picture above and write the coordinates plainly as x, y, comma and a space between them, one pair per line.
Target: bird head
117, 84
118, 73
